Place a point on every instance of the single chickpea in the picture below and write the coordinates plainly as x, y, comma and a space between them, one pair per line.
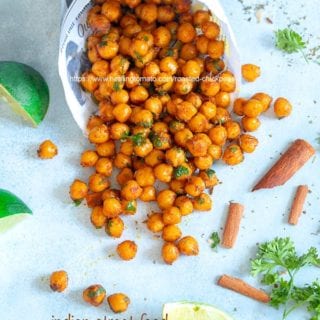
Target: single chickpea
106, 149
151, 70
198, 123
215, 49
238, 106
47, 150
155, 223
202, 44
250, 72
143, 118
186, 32
210, 29
143, 149
162, 37
202, 203
97, 218
132, 79
154, 158
184, 204
233, 129
108, 49
183, 86
209, 87
175, 156
175, 126
146, 36
182, 137
131, 190
132, 3
183, 172
139, 48
122, 161
171, 233
185, 111
112, 10
148, 194
222, 99
204, 162
94, 121
98, 182
122, 112
154, 105
221, 117
214, 66
209, 177
188, 51
105, 111
127, 250
191, 69
104, 166
119, 131
115, 227
218, 135
165, 14
252, 108
170, 253
250, 124
215, 151
177, 186
89, 81
282, 108
232, 155
59, 280
112, 207
195, 186
111, 193
78, 190
200, 17
168, 65
138, 94
248, 143
208, 109
118, 302
94, 294
145, 177
264, 98
163, 172
94, 199
166, 198
89, 158
188, 246
163, 82
119, 64
227, 81
149, 12
197, 145
99, 134
100, 68
171, 215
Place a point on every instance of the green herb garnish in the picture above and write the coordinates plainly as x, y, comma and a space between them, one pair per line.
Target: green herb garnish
138, 139
214, 240
289, 41
155, 139
210, 173
170, 52
116, 86
233, 149
125, 136
103, 43
138, 56
180, 171
278, 263
130, 206
77, 202
94, 293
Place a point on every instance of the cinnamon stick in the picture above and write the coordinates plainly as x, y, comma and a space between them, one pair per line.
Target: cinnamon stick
243, 288
288, 164
232, 226
297, 205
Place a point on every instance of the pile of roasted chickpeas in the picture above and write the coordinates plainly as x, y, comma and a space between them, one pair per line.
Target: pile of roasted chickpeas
171, 129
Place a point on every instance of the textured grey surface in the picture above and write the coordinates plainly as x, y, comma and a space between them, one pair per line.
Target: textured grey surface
60, 235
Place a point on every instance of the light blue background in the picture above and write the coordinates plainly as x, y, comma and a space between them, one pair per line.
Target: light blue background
59, 236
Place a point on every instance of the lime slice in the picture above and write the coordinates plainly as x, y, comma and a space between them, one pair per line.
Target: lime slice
25, 90
12, 210
192, 311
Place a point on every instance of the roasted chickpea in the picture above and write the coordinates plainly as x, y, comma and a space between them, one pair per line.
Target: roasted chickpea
218, 135
162, 37
155, 223
195, 99
119, 64
129, 207
100, 68
222, 99
132, 3
47, 150
214, 66
163, 172
252, 108
227, 81
127, 250
104, 166
209, 177
111, 193
89, 82
215, 49
202, 203
119, 97
282, 108
238, 106
198, 123
145, 177
204, 162
168, 65
184, 204
154, 158
175, 156
138, 94
163, 82
151, 70
89, 158
232, 155
126, 147
175, 126
106, 149
108, 49
94, 121
78, 190
233, 129
221, 117
114, 227
183, 86
191, 69
99, 134
197, 145
154, 105
264, 98
188, 51
183, 171
166, 198
112, 10
112, 207
210, 29
208, 109
188, 246
118, 302
170, 253
131, 190
97, 218
122, 112
186, 32
94, 199
122, 161
200, 17
139, 48
119, 131
148, 194
131, 30
94, 294
250, 72
98, 182
215, 151
165, 14
171, 215
195, 186
105, 111
185, 111
250, 124
171, 233
59, 281
209, 87
248, 143
143, 118
143, 149
177, 186
202, 44
132, 79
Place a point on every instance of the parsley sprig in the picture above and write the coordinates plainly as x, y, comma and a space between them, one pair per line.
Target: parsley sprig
289, 41
214, 240
277, 262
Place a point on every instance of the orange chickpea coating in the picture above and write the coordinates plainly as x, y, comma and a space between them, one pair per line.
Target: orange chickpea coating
114, 227
233, 129
282, 108
106, 149
238, 106
171, 233
210, 29
208, 109
184, 204
59, 281
99, 134
215, 49
197, 145
264, 98
218, 135
166, 198
195, 186
131, 190
127, 250
252, 108
112, 207
119, 131
250, 72
98, 219
94, 294
232, 155
89, 158
47, 150
155, 223
209, 87
162, 37
250, 124
191, 69
186, 32
78, 190
175, 156
94, 121
200, 17
112, 10
122, 112
215, 151
204, 162
198, 123
248, 143
227, 81
154, 158
171, 215
188, 246
98, 182
129, 207
202, 44
138, 94
148, 194
222, 116
145, 177
202, 203
170, 253
118, 302
163, 172
89, 82
222, 99
104, 166
177, 186
168, 65
209, 177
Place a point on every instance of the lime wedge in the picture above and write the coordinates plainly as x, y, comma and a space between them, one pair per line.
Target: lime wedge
192, 311
12, 210
25, 90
